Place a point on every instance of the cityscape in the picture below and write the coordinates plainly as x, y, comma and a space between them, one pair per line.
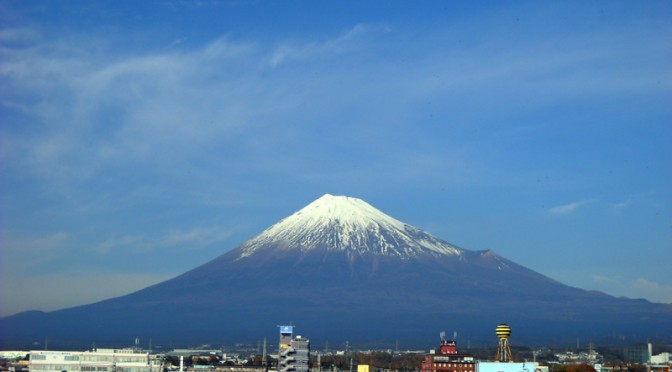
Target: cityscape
294, 353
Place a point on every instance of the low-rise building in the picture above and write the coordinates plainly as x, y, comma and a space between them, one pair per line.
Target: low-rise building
662, 358
100, 360
448, 359
509, 367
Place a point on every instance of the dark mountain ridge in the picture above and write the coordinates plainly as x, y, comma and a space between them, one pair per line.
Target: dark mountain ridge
342, 270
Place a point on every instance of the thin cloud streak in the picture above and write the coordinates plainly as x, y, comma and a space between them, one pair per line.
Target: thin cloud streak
622, 205
569, 208
190, 239
645, 288
639, 287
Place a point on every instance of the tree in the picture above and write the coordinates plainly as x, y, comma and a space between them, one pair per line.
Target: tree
583, 367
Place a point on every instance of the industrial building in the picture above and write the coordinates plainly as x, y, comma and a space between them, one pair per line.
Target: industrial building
448, 359
100, 360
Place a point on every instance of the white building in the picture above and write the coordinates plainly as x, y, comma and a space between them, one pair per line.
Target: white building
663, 358
13, 354
100, 360
508, 367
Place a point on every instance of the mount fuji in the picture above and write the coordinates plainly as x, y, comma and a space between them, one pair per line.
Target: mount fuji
342, 270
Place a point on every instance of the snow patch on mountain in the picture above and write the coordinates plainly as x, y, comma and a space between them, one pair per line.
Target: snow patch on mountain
349, 224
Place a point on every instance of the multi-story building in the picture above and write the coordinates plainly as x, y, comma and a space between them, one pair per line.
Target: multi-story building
293, 353
100, 360
448, 359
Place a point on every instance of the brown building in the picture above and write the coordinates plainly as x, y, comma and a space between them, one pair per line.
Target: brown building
447, 359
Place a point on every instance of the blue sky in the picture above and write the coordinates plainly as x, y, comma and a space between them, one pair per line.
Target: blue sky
139, 140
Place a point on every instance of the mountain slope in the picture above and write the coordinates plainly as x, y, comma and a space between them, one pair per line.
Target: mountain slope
342, 270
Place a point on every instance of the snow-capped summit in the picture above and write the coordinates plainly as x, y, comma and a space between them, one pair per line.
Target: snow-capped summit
343, 223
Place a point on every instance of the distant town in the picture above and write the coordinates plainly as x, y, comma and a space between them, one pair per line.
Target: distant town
293, 353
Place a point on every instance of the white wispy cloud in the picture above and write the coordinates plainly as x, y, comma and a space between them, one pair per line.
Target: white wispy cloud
346, 43
194, 238
603, 279
12, 35
569, 208
95, 113
622, 205
646, 284
102, 110
32, 246
155, 109
637, 287
651, 289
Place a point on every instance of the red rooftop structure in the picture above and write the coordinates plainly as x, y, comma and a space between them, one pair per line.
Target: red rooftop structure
448, 359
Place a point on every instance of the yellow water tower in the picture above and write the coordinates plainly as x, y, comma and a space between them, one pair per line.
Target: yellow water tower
503, 332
